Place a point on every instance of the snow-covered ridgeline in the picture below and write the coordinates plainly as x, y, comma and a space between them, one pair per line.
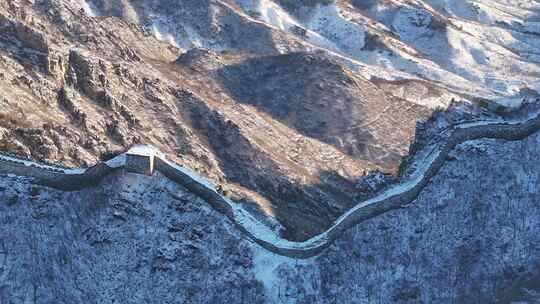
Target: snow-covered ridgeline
426, 165
89, 8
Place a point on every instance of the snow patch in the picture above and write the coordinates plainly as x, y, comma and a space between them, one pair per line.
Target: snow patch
181, 35
326, 28
89, 8
266, 266
74, 171
161, 34
411, 23
143, 150
273, 14
328, 22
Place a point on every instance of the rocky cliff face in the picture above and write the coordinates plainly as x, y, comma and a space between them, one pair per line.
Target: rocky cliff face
470, 237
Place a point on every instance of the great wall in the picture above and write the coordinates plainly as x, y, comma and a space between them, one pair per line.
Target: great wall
147, 160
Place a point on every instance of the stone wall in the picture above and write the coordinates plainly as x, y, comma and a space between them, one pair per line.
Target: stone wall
16, 168
71, 182
201, 190
56, 178
410, 186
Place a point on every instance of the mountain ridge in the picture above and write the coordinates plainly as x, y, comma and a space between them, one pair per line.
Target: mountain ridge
427, 162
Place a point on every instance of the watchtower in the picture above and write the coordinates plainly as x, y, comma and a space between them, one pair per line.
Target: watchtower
140, 159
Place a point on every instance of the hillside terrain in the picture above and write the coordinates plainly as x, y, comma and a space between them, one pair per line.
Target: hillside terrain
299, 112
285, 105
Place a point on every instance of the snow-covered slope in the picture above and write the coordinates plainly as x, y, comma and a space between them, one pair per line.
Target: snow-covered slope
486, 49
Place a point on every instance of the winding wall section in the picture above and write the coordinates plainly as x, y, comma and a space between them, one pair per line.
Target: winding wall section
424, 168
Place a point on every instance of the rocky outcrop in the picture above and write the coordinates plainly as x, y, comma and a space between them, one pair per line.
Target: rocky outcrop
88, 76
29, 36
